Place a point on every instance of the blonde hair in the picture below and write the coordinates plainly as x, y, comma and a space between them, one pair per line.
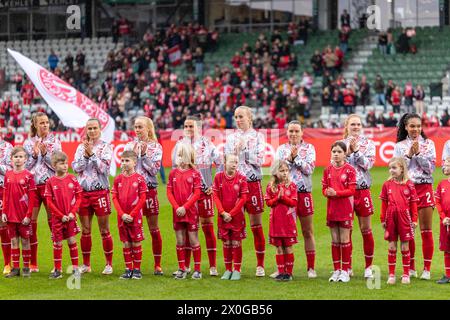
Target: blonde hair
187, 154
248, 111
226, 157
404, 177
347, 121
130, 155
18, 149
58, 156
150, 126
274, 170
198, 125
33, 128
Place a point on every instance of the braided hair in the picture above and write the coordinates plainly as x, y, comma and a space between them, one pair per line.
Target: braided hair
402, 133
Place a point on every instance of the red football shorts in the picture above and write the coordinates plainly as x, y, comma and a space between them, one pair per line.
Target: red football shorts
97, 202
131, 233
191, 227
205, 206
347, 224
17, 230
231, 234
305, 205
255, 200
1, 200
444, 238
363, 203
398, 225
151, 206
40, 198
425, 194
64, 230
282, 241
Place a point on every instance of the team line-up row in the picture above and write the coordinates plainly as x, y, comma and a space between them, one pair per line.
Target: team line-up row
38, 173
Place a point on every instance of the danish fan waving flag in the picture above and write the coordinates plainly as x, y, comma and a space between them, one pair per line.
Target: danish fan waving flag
72, 107
174, 55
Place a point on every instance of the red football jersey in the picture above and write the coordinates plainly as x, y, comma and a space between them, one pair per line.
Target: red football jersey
182, 184
63, 192
128, 190
340, 179
17, 194
398, 196
283, 219
229, 190
442, 198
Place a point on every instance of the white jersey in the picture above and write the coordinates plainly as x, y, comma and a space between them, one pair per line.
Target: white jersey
302, 168
149, 164
5, 159
446, 151
206, 154
362, 161
41, 167
93, 172
420, 167
251, 156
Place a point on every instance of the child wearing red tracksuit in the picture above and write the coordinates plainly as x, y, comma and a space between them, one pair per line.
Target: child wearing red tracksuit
18, 198
443, 207
63, 197
183, 191
398, 215
339, 186
281, 197
230, 195
129, 195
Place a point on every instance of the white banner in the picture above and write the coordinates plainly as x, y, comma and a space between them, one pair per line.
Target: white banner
71, 106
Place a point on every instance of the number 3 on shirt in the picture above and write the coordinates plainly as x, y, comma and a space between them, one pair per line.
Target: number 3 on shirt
102, 202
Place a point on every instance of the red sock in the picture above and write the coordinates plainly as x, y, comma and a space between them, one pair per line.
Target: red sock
289, 262
260, 244
210, 237
57, 256
187, 251
406, 261
336, 255
107, 247
26, 256
156, 246
279, 258
447, 263
427, 248
346, 252
34, 243
180, 256
127, 256
310, 259
6, 245
237, 257
351, 251
137, 257
86, 245
15, 257
368, 245
412, 252
197, 253
73, 248
228, 256
392, 259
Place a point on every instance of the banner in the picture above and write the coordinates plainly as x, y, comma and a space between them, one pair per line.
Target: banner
322, 139
72, 107
174, 55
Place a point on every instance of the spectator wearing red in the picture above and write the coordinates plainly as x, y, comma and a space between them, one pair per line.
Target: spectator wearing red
5, 111
27, 93
349, 99
408, 93
396, 99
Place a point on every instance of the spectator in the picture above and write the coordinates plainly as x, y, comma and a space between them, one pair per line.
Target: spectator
125, 31
379, 91
10, 136
391, 121
5, 109
330, 59
198, 59
364, 92
349, 99
343, 40
27, 93
187, 59
382, 43
371, 120
345, 19
390, 87
403, 43
396, 99
408, 94
303, 27
69, 60
18, 78
445, 119
340, 59
390, 42
336, 101
53, 61
115, 31
316, 63
79, 59
293, 62
419, 95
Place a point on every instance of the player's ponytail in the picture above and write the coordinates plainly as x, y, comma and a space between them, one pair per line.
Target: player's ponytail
402, 133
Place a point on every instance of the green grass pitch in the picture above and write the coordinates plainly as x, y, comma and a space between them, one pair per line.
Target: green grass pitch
97, 286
